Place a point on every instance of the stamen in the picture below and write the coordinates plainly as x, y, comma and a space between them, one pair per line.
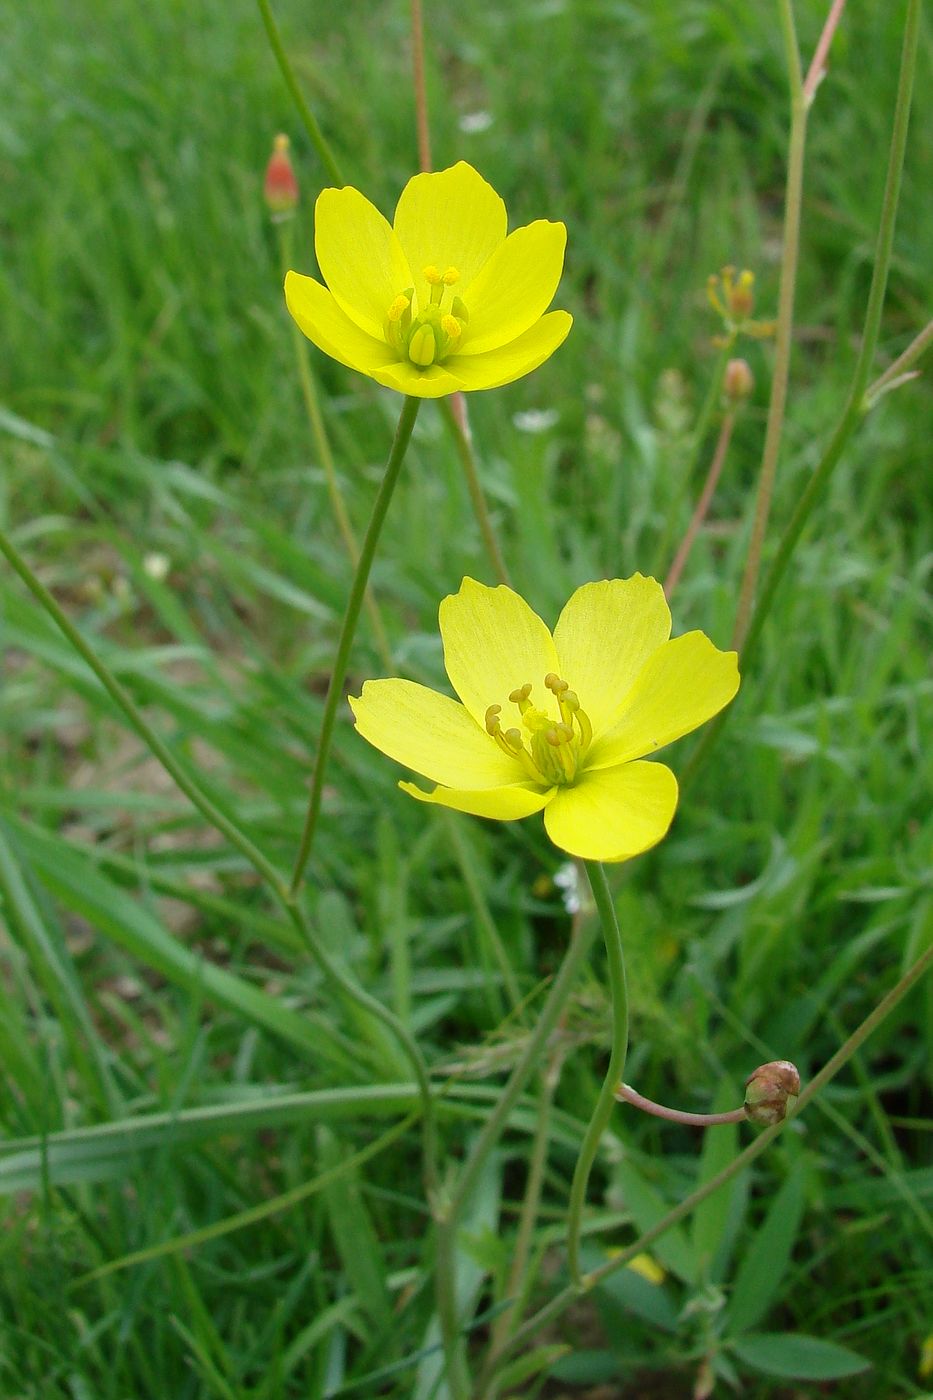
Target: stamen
451, 275
492, 719
399, 306
431, 275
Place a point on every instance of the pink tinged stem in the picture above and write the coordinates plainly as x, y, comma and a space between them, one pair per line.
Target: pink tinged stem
626, 1094
817, 68
703, 504
421, 96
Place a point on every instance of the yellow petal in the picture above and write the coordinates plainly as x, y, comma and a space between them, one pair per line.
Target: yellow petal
494, 643
516, 286
495, 367
682, 685
449, 218
431, 734
613, 814
360, 257
322, 321
432, 383
604, 636
504, 804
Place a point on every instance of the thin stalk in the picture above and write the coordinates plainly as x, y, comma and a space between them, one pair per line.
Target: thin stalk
192, 790
418, 83
518, 1283
373, 1007
338, 674
855, 406
605, 1103
626, 1094
697, 439
312, 405
474, 888
817, 67
900, 370
308, 118
567, 1296
450, 1216
703, 504
784, 330
455, 416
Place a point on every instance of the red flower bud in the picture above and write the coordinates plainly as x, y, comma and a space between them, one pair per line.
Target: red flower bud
770, 1091
280, 188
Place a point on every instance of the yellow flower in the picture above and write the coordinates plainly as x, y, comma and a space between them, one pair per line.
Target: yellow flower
442, 300
558, 722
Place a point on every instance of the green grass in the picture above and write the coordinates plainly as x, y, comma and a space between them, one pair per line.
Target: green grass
149, 406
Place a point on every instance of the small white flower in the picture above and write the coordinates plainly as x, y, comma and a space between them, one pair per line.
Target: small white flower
535, 420
474, 122
157, 566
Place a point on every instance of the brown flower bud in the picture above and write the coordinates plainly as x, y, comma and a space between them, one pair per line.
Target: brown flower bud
770, 1091
280, 188
738, 381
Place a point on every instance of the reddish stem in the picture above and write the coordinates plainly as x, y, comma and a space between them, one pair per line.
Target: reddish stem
421, 96
626, 1094
818, 64
703, 504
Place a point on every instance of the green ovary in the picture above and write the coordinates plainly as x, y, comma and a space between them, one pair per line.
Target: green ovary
550, 751
427, 336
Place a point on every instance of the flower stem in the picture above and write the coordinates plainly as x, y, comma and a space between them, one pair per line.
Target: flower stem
455, 416
856, 404
703, 504
626, 1094
567, 1296
308, 118
785, 323
312, 404
338, 674
606, 1100
121, 698
901, 368
418, 83
450, 1214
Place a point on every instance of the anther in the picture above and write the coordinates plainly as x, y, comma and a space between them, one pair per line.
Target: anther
492, 719
431, 275
451, 328
521, 693
451, 275
398, 308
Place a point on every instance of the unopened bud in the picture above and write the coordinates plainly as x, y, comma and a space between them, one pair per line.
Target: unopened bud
280, 188
738, 381
770, 1091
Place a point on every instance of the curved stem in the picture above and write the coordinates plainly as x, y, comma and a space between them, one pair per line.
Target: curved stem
785, 323
450, 1215
373, 1007
314, 131
703, 504
421, 96
455, 416
606, 1100
192, 790
626, 1094
855, 405
348, 630
567, 1296
312, 402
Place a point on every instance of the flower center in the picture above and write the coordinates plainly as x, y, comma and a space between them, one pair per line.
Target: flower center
550, 751
429, 335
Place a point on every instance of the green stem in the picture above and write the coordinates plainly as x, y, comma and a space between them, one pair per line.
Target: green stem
192, 790
373, 1007
899, 371
474, 887
459, 427
855, 405
449, 1218
567, 1296
785, 323
291, 82
312, 404
605, 1103
418, 83
354, 603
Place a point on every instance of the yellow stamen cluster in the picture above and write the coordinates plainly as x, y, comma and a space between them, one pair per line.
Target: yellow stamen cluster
732, 297
555, 748
426, 335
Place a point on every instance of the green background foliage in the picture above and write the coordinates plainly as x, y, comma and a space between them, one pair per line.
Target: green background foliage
149, 407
